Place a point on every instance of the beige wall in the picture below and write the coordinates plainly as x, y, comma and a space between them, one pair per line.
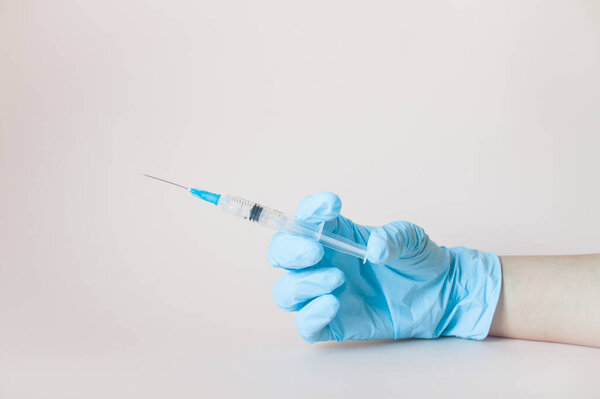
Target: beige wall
477, 120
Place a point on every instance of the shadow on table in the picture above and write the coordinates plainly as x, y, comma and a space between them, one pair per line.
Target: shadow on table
353, 345
357, 345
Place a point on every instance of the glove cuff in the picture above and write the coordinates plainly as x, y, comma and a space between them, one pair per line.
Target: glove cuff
476, 280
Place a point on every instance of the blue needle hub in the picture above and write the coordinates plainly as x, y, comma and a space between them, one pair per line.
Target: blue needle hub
206, 195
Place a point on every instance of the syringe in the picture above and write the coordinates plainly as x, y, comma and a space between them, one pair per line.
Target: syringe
269, 217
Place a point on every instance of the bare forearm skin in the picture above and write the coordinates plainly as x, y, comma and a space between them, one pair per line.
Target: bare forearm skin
550, 298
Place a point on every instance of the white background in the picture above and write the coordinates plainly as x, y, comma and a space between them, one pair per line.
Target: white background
478, 120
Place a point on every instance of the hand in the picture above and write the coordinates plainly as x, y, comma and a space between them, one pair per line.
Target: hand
409, 287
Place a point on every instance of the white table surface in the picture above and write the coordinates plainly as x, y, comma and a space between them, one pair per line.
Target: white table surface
448, 368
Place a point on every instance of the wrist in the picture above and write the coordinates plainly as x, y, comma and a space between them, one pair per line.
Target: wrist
476, 279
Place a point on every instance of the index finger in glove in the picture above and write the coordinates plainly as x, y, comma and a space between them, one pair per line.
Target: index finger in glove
294, 252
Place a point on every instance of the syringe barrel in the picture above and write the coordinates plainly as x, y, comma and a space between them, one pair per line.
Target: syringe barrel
277, 220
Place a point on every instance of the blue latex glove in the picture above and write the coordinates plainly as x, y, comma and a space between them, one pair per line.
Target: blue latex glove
410, 287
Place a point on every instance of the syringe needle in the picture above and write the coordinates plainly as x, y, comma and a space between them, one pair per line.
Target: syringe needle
163, 180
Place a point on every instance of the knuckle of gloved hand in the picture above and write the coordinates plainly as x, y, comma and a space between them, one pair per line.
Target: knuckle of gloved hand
394, 241
410, 237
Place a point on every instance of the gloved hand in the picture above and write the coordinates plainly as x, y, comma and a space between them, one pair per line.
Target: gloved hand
409, 287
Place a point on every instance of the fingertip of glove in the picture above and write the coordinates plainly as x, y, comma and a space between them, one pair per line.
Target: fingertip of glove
315, 316
378, 249
319, 207
294, 252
